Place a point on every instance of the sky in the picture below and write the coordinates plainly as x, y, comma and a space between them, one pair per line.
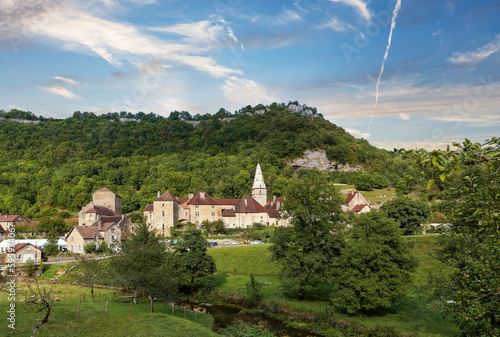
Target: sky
399, 73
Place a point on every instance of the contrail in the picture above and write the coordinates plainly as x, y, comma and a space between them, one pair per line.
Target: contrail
393, 25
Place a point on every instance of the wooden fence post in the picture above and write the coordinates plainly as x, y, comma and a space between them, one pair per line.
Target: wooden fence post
173, 309
106, 311
79, 305
195, 317
151, 304
184, 312
84, 296
130, 311
99, 296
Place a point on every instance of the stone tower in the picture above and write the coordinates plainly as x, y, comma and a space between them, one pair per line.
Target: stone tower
165, 213
259, 191
107, 198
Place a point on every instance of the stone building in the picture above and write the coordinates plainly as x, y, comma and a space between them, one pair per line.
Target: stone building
357, 203
26, 251
107, 229
104, 203
168, 210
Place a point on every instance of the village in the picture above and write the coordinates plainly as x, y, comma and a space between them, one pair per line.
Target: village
101, 220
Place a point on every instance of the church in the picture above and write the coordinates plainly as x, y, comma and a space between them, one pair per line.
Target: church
167, 210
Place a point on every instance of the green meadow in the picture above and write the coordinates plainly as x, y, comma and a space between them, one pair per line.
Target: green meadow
413, 315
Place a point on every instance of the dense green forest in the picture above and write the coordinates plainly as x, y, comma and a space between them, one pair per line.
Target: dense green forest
58, 164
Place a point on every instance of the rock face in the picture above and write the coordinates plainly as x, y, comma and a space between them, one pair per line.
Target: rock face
312, 159
319, 160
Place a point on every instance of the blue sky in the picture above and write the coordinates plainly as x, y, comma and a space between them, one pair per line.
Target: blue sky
441, 78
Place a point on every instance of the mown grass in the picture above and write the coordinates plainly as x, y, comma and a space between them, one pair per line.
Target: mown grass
64, 319
414, 313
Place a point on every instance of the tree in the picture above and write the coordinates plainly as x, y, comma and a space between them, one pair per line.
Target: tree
309, 247
375, 266
194, 262
254, 293
365, 182
54, 225
90, 272
39, 301
471, 293
51, 247
144, 265
409, 213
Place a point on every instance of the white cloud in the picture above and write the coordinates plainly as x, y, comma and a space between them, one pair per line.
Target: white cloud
288, 15
404, 116
359, 6
245, 91
56, 90
77, 29
477, 55
337, 25
359, 134
66, 80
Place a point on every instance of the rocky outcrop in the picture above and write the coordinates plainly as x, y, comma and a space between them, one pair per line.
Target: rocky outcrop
312, 159
318, 159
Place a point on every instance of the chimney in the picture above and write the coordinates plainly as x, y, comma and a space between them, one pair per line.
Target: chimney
190, 196
202, 194
159, 194
246, 202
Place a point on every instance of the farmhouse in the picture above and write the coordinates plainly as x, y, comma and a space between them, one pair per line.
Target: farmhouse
167, 210
104, 203
357, 203
7, 221
106, 229
26, 251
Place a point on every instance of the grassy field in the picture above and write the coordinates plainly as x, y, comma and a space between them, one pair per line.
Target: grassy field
64, 317
414, 313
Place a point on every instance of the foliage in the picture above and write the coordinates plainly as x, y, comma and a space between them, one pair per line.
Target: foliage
409, 213
470, 295
374, 269
136, 159
254, 293
54, 225
241, 330
194, 262
308, 247
369, 181
144, 265
51, 247
90, 272
30, 267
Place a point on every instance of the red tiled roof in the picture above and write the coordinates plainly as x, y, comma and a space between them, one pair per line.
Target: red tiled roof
184, 206
105, 225
358, 207
167, 197
9, 218
228, 213
22, 245
199, 200
350, 196
183, 200
273, 213
231, 202
249, 205
101, 210
87, 232
149, 208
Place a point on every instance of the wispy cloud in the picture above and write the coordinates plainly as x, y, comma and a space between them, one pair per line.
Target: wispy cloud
244, 90
61, 91
337, 25
478, 55
359, 5
66, 80
288, 15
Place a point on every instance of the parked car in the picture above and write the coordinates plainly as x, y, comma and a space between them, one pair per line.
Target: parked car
213, 244
256, 242
235, 243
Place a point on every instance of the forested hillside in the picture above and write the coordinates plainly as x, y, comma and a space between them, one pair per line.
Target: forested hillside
57, 164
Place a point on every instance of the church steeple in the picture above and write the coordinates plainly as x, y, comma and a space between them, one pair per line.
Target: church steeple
259, 191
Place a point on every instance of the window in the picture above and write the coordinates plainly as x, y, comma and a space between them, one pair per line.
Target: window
196, 213
186, 213
213, 213
213, 206
163, 213
72, 239
112, 230
196, 206
162, 205
112, 238
79, 248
